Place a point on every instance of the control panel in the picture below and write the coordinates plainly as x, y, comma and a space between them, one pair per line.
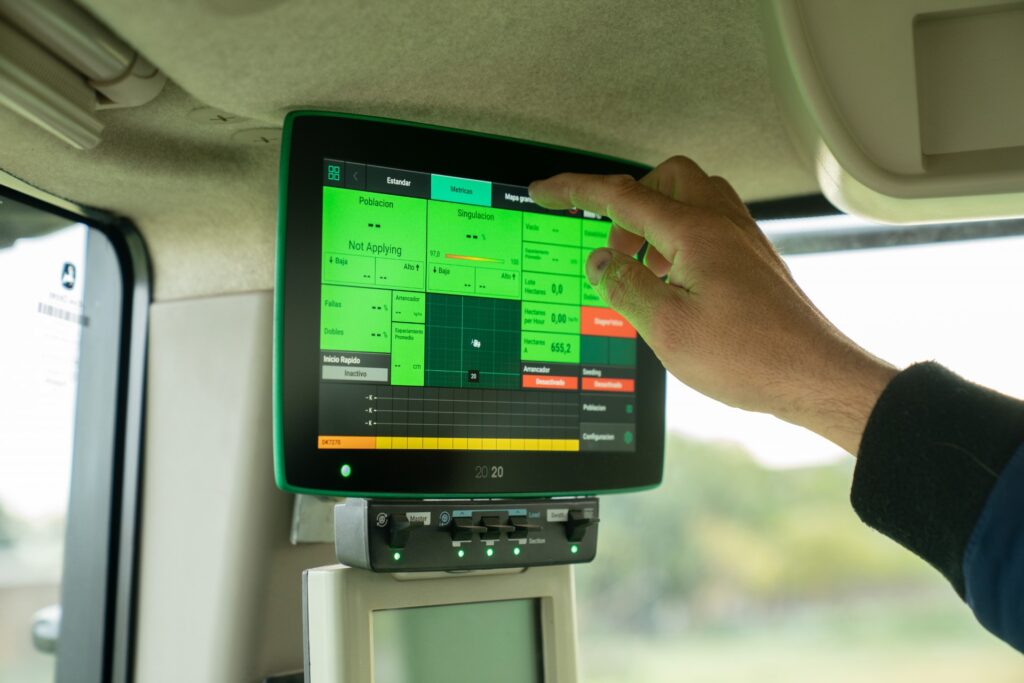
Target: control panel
440, 535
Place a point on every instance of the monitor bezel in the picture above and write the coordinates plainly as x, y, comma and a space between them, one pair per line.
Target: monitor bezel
300, 466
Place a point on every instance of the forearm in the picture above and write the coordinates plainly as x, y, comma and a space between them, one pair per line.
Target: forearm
836, 400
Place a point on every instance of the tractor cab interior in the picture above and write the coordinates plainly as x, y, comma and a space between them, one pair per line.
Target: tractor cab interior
298, 382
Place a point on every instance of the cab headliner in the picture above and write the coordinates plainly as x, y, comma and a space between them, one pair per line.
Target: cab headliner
641, 80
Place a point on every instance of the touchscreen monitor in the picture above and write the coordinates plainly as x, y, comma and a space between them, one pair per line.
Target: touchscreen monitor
436, 333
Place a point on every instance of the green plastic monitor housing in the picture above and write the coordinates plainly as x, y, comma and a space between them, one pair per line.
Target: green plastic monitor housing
301, 466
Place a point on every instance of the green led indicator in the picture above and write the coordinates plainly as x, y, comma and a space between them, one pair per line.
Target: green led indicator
346, 470
490, 552
398, 556
574, 549
461, 553
516, 550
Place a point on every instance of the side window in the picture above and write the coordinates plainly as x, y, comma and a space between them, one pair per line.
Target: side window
749, 563
41, 308
73, 301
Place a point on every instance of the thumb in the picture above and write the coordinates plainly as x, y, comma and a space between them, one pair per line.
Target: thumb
628, 286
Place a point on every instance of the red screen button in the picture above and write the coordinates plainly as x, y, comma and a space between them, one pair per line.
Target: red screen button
604, 322
550, 382
607, 384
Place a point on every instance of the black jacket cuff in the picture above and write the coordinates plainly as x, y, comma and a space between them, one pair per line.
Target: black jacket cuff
932, 450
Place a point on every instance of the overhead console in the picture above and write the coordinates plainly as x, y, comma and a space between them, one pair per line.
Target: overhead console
910, 111
436, 335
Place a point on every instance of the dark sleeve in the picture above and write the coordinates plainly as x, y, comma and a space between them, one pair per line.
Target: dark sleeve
994, 559
933, 449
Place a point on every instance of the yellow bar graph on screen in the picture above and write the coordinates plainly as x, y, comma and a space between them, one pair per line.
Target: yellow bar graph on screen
346, 442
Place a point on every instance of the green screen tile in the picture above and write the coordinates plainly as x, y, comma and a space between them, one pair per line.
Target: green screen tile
355, 319
550, 258
540, 227
499, 283
349, 269
559, 289
397, 273
368, 234
540, 317
595, 234
551, 347
409, 307
407, 354
589, 296
449, 279
474, 250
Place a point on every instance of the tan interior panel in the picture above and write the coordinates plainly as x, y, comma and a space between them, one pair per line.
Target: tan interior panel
641, 80
970, 77
219, 595
908, 111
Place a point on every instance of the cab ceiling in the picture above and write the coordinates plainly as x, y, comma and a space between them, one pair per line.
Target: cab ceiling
641, 80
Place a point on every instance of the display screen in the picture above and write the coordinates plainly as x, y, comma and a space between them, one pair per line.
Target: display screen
455, 314
498, 642
435, 333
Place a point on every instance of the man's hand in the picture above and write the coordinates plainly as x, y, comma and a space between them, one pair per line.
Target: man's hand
730, 321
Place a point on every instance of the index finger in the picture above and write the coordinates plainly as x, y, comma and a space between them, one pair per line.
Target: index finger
631, 206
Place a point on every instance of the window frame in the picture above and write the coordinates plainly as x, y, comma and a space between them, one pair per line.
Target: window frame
102, 529
865, 234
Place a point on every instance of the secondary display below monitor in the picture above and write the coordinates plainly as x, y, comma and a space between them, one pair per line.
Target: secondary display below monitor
456, 315
436, 334
429, 644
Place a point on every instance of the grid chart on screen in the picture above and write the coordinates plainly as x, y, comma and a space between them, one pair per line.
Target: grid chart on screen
472, 342
409, 414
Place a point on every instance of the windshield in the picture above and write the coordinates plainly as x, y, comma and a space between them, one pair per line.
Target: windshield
749, 562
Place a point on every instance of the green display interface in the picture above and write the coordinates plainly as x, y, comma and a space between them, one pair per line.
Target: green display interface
456, 315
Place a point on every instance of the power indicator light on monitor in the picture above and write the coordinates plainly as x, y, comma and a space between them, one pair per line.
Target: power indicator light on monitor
461, 553
346, 470
397, 556
574, 549
490, 552
517, 550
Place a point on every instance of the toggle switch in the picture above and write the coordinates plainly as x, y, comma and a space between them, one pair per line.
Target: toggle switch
462, 529
522, 527
494, 528
399, 528
577, 524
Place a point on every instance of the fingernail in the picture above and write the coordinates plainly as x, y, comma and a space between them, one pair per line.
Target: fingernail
597, 264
